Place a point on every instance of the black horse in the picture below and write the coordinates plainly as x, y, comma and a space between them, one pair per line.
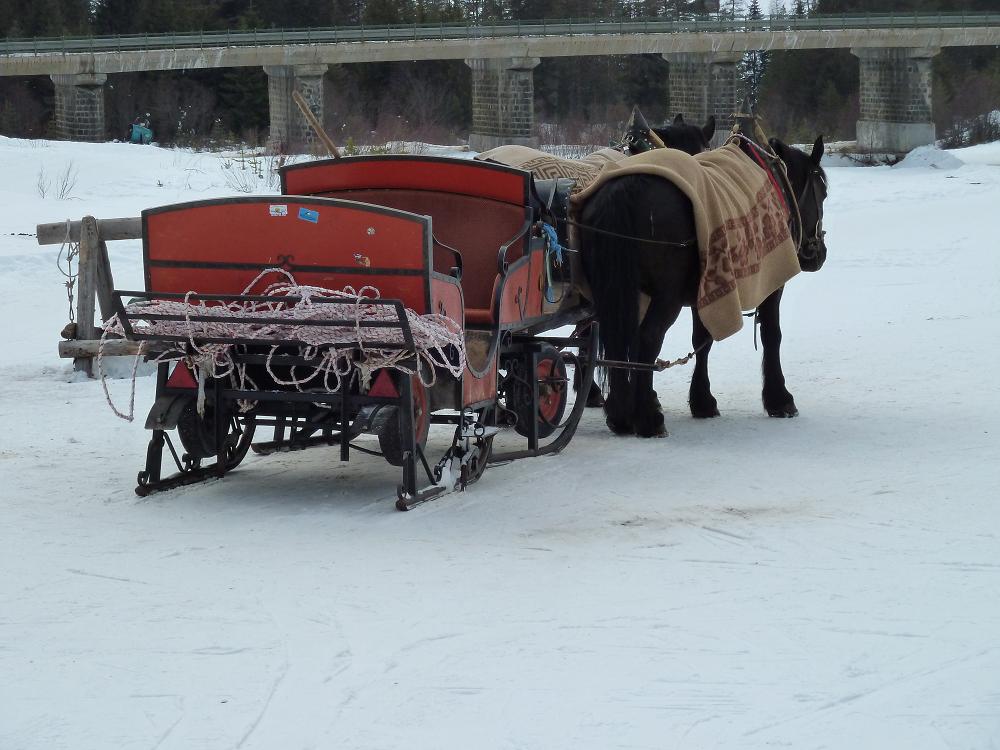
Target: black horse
636, 234
691, 139
687, 138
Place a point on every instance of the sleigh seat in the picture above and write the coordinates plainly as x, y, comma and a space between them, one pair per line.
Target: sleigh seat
481, 213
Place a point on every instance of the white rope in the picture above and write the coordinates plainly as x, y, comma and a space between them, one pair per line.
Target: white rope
345, 349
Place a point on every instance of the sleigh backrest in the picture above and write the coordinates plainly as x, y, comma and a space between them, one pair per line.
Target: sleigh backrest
220, 246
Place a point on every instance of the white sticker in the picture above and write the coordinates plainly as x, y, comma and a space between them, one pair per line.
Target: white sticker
279, 210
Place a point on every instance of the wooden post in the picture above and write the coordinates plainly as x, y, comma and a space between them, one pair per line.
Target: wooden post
85, 285
94, 280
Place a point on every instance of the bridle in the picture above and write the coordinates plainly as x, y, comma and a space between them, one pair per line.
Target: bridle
809, 246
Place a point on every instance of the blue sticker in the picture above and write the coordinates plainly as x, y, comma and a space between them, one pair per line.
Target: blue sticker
307, 214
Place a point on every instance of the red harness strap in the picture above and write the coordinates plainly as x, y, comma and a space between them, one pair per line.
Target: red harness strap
752, 150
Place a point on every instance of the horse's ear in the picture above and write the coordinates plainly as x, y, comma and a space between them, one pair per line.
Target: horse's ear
817, 152
679, 120
709, 130
777, 146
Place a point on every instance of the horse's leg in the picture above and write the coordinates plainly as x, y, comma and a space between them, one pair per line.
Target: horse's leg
662, 313
620, 403
778, 402
700, 399
591, 391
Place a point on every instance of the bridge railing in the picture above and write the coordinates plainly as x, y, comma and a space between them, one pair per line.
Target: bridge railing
462, 30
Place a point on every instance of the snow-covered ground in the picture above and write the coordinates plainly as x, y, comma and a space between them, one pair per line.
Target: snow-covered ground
831, 581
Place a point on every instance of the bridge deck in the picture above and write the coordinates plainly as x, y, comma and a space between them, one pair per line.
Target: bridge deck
130, 53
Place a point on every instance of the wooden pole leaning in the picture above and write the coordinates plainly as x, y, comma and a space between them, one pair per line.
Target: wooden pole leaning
307, 113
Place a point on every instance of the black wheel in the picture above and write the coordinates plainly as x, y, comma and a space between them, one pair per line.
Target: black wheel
197, 434
553, 391
474, 469
390, 436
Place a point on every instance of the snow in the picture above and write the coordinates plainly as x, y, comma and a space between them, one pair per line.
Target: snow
828, 581
930, 157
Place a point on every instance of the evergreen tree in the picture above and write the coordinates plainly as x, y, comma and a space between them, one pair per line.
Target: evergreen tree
754, 65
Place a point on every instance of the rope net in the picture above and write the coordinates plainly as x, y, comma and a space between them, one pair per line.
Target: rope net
339, 352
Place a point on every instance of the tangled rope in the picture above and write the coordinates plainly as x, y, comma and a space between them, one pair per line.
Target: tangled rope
340, 351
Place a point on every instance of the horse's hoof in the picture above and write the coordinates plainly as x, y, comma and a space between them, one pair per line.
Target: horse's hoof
619, 428
595, 398
704, 412
651, 425
657, 432
785, 412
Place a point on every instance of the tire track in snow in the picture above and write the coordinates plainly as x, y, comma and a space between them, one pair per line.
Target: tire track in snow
853, 698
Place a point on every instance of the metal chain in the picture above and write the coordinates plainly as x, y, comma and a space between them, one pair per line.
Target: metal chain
71, 253
659, 365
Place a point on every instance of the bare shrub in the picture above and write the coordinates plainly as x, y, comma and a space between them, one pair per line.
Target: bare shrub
253, 170
65, 182
42, 183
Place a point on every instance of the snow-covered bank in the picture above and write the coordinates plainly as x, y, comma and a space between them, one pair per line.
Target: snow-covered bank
824, 582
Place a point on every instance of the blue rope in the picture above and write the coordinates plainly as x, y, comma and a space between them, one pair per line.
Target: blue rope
552, 246
552, 241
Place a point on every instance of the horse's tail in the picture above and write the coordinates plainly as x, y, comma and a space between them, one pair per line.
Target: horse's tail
611, 265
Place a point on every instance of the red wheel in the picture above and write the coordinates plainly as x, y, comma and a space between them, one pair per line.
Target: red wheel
553, 390
390, 437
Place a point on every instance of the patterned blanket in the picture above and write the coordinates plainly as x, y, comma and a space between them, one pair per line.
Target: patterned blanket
741, 223
546, 166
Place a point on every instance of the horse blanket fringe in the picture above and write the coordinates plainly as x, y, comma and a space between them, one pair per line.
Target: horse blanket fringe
741, 222
547, 167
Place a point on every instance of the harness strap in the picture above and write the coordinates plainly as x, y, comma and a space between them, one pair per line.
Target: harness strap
756, 156
784, 188
667, 243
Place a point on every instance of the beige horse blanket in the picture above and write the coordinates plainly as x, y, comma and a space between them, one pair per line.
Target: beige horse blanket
741, 223
546, 166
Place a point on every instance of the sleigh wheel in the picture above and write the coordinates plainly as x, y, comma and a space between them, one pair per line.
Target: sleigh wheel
553, 391
390, 436
197, 435
473, 469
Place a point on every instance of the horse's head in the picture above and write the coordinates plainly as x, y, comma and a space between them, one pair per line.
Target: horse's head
688, 138
808, 183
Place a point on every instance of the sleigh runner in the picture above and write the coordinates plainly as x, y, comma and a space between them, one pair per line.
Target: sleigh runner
379, 295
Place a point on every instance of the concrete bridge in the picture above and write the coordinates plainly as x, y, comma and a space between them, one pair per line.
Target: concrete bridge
894, 52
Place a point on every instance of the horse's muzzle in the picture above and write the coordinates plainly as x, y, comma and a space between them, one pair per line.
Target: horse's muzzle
812, 253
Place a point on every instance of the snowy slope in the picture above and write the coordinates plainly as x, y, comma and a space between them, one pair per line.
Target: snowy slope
831, 581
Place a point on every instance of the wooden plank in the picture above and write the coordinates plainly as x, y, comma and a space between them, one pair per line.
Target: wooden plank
90, 249
103, 280
88, 349
107, 229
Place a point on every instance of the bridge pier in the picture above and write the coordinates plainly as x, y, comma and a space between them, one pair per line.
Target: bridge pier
503, 102
703, 84
79, 106
290, 132
895, 99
